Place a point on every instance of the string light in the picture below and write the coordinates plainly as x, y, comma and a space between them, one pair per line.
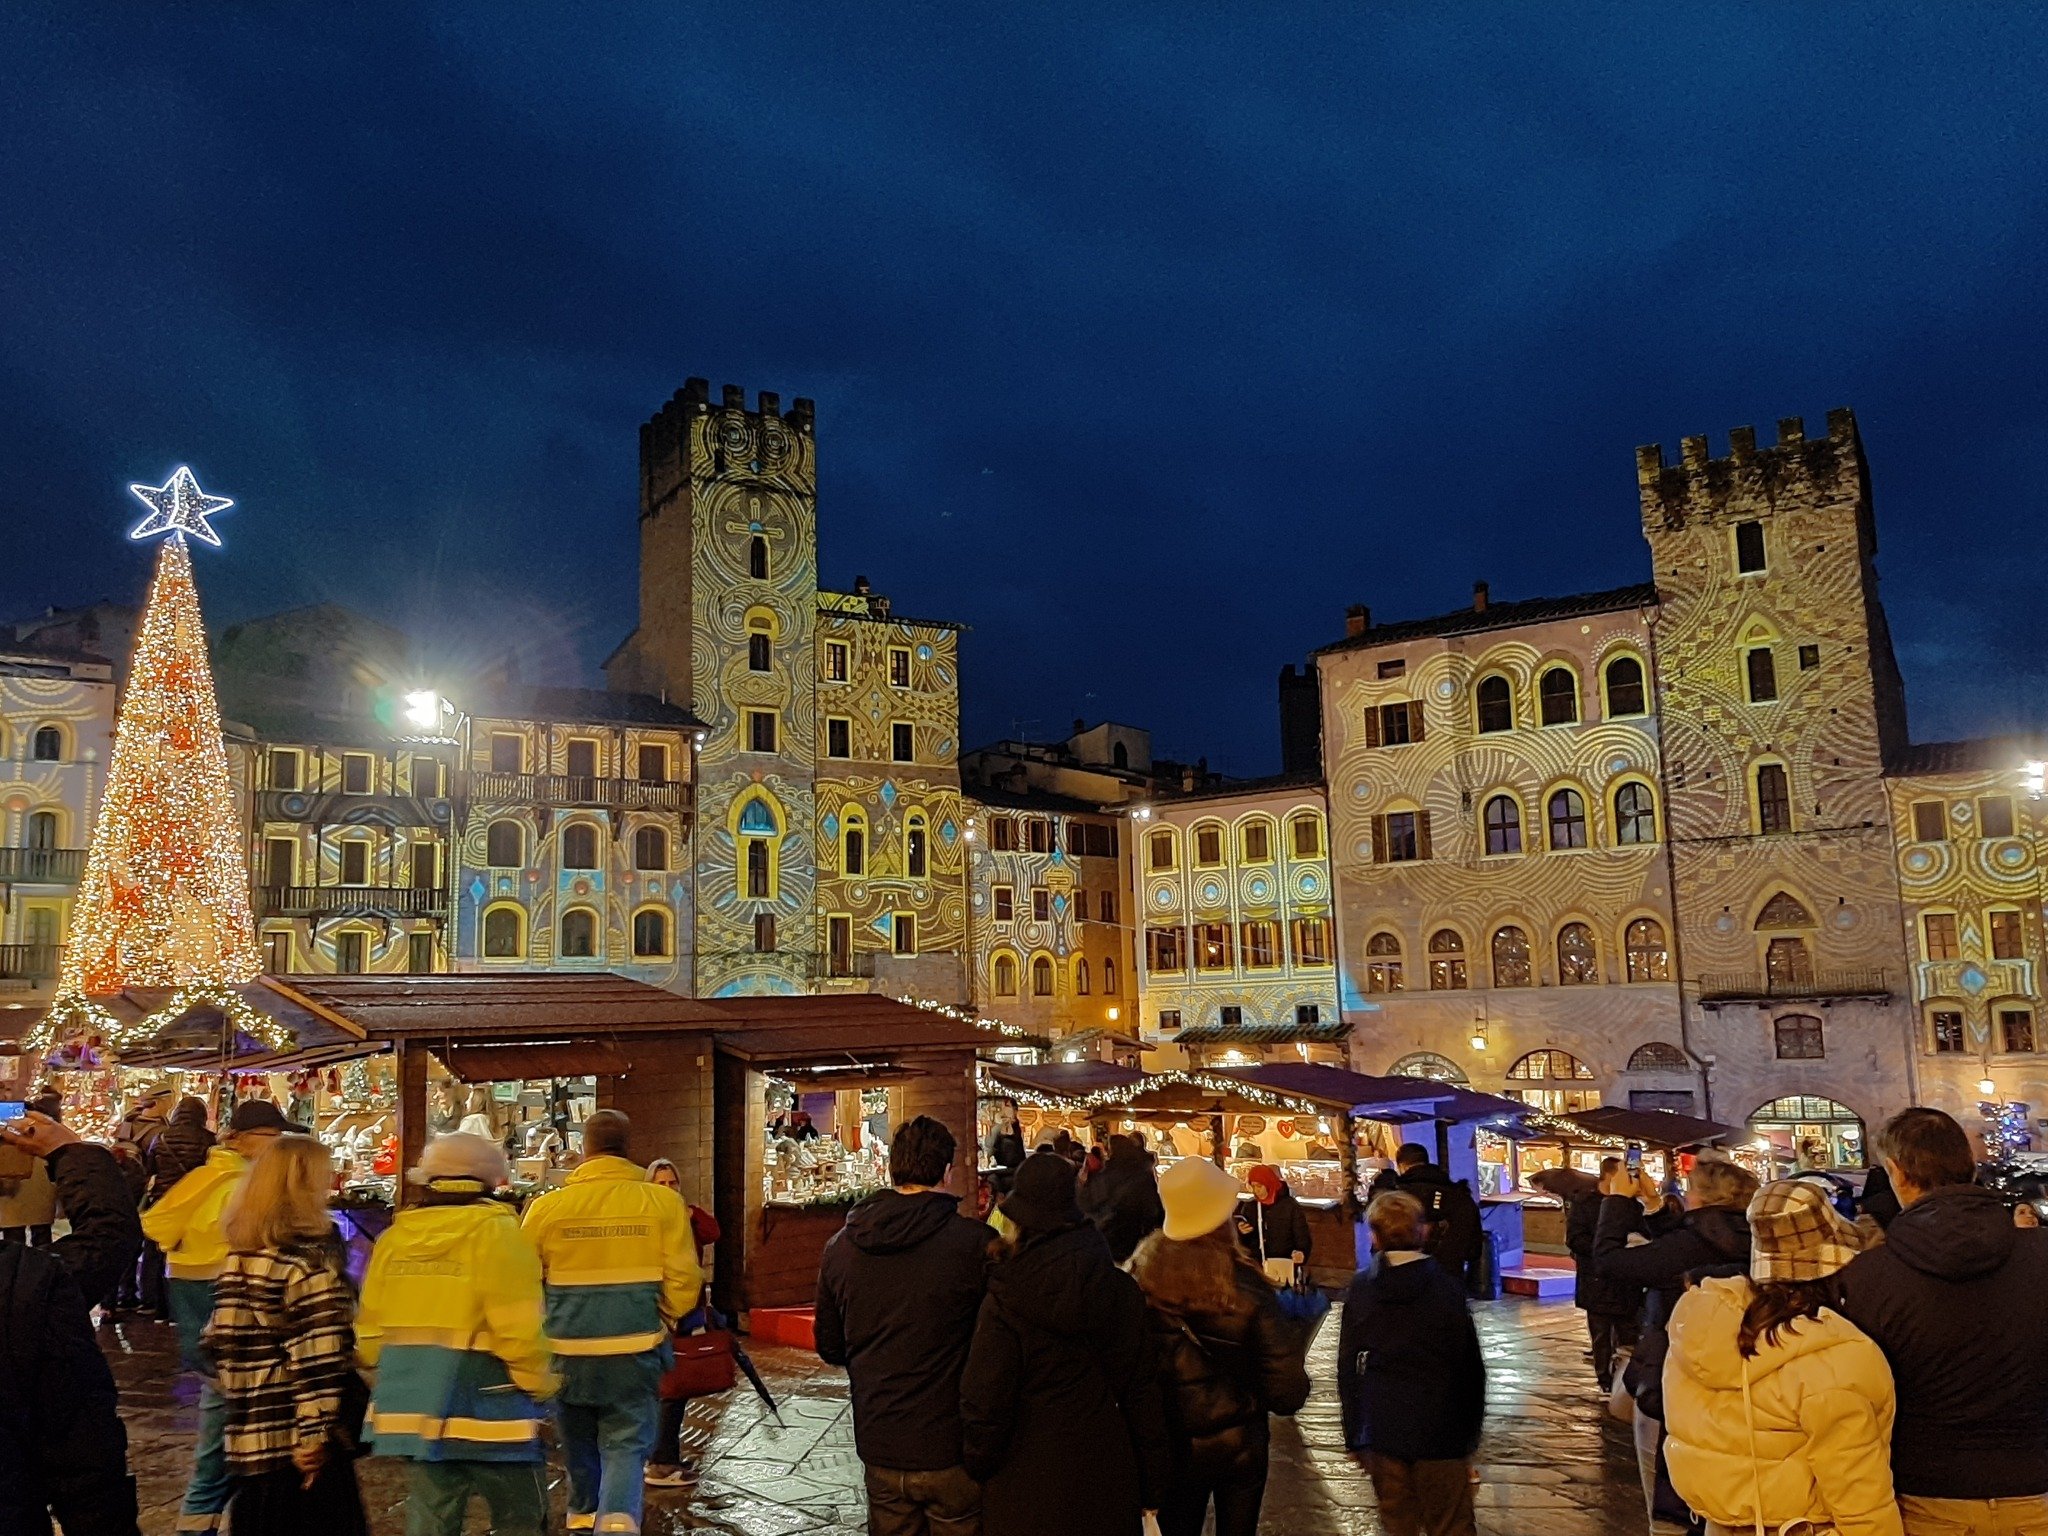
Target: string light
961, 1015
1125, 1094
178, 507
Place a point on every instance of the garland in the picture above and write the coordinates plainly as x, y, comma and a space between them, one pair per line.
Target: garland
73, 1016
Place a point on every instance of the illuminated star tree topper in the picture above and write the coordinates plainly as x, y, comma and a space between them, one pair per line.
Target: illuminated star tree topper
178, 507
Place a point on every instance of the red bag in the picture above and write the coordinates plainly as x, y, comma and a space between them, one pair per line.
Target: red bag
704, 1366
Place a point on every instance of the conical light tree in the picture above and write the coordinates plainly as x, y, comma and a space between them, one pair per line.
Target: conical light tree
165, 898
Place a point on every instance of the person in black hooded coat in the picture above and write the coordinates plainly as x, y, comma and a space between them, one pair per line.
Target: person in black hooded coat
1123, 1199
1062, 1419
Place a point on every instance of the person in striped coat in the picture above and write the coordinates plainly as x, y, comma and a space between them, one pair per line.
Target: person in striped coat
451, 1321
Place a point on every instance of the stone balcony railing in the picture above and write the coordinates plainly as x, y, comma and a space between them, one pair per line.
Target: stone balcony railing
28, 962
375, 900
41, 866
1760, 986
571, 789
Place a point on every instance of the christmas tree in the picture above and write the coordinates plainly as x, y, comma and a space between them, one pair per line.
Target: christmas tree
165, 898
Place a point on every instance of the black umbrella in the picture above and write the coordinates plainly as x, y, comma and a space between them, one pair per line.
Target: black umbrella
745, 1362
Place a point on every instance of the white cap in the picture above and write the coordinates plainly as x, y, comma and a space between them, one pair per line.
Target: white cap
461, 1155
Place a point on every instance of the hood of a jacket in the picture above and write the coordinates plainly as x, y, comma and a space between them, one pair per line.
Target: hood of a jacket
1063, 1283
190, 1111
1722, 1229
891, 1222
1423, 1173
436, 1231
1953, 1234
1401, 1283
1123, 1154
225, 1159
1705, 1324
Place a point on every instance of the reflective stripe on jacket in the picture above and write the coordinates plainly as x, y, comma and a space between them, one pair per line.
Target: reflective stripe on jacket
186, 1222
451, 1318
618, 1257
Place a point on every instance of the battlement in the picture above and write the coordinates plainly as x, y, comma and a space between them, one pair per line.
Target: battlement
690, 436
1752, 481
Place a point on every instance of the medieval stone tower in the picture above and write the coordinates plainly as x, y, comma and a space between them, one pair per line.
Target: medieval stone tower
728, 602
1779, 703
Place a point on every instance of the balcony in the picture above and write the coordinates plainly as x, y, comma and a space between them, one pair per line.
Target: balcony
351, 900
1759, 986
28, 962
41, 866
789, 962
572, 789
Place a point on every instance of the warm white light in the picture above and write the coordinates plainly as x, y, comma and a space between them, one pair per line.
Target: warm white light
1987, 1087
177, 507
1478, 1040
1115, 1014
423, 708
2037, 775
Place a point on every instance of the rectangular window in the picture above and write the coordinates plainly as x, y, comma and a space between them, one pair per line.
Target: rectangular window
654, 765
1401, 840
1762, 666
1041, 906
902, 742
277, 954
1258, 843
1930, 821
2015, 1029
1308, 1013
1395, 725
764, 933
1161, 846
1231, 1016
1773, 799
1169, 1020
1261, 945
1308, 837
426, 866
284, 769
280, 861
899, 666
1994, 816
1038, 835
1940, 928
1749, 548
426, 777
582, 759
419, 953
1809, 657
1212, 946
1393, 667
760, 649
839, 942
1948, 1032
355, 862
1106, 907
1002, 834
838, 736
1311, 941
905, 936
508, 753
1005, 902
1208, 845
1799, 1038
357, 776
2006, 941
760, 730
835, 661
348, 954
1164, 950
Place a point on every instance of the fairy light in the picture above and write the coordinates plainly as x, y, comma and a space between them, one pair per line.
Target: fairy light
178, 507
962, 1016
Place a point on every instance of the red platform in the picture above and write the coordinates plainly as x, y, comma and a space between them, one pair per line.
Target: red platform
794, 1326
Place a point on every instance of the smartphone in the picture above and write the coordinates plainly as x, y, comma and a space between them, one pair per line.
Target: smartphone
14, 1163
1632, 1160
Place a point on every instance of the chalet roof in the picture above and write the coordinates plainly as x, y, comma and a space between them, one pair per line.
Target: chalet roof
1972, 756
1034, 800
1166, 798
1061, 1079
527, 1006
574, 706
1510, 615
768, 1030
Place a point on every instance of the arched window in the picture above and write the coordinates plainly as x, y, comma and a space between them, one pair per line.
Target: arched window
1081, 977
579, 846
1120, 756
1503, 820
1041, 977
1648, 957
1306, 831
1447, 961
1557, 697
914, 856
1383, 963
1567, 819
853, 843
1429, 1066
760, 643
579, 934
1822, 1133
504, 931
1578, 962
505, 845
1624, 687
1635, 814
757, 558
1552, 1067
42, 830
650, 933
1209, 843
1006, 976
1160, 850
48, 746
1658, 1057
1108, 977
650, 848
1773, 799
1494, 704
1511, 958
1256, 841
757, 834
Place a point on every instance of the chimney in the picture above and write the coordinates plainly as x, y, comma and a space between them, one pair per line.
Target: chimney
1080, 725
860, 586
1357, 619
1187, 781
1479, 597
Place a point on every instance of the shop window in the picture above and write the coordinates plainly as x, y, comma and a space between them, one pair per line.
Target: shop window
1261, 945
764, 933
899, 666
1493, 704
1208, 845
1930, 821
2006, 940
1635, 814
508, 753
1002, 834
1567, 819
1503, 819
1311, 941
419, 954
504, 933
582, 763
1383, 963
650, 849
579, 934
1578, 961
653, 764
1447, 971
1761, 668
914, 851
1511, 966
349, 949
1649, 957
357, 776
836, 659
1552, 1066
1657, 1056
1940, 929
1749, 548
760, 730
650, 934
284, 769
1081, 977
1003, 900
1773, 799
1308, 837
1799, 1038
1624, 687
1258, 842
1994, 816
1946, 1026
1041, 977
505, 845
1787, 964
1557, 697
355, 862
1165, 949
1212, 946
1169, 1021
757, 558
48, 745
1160, 850
1829, 1132
2016, 1029
579, 846
1006, 976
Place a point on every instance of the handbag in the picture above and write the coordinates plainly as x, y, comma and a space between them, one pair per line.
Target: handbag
704, 1366
1621, 1403
1800, 1527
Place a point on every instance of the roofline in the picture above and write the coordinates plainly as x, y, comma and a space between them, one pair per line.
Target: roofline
1483, 620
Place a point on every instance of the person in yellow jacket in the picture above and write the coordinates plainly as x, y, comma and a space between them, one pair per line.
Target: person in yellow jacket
1777, 1407
185, 1224
620, 1269
450, 1319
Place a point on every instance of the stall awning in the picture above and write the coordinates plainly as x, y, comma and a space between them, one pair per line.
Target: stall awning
767, 1030
201, 1038
1062, 1081
491, 1062
508, 1006
1461, 1106
1651, 1127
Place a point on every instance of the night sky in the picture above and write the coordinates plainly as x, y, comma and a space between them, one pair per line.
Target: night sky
1142, 343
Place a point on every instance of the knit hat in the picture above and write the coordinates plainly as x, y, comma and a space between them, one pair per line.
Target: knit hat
1199, 1197
1796, 1234
464, 1157
1042, 1195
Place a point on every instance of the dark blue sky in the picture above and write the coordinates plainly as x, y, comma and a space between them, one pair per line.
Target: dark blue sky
1142, 343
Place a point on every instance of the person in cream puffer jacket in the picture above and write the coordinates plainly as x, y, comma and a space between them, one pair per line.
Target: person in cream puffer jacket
1814, 1442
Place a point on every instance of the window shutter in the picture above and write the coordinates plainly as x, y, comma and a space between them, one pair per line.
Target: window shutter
1422, 834
1372, 725
1415, 726
1379, 839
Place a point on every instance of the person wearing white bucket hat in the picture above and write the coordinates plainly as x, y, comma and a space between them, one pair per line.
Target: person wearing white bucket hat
1228, 1357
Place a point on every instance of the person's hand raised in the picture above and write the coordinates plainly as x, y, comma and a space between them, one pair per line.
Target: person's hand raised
38, 1134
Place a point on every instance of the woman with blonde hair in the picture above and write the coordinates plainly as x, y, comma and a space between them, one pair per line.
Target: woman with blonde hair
282, 1341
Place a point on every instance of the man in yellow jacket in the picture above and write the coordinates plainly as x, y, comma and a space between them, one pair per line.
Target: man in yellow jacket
620, 1269
450, 1318
186, 1225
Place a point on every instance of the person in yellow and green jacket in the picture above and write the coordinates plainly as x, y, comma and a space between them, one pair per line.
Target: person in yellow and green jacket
620, 1269
186, 1224
450, 1319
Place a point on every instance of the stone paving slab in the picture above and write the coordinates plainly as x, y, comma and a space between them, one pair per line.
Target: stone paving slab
1551, 1464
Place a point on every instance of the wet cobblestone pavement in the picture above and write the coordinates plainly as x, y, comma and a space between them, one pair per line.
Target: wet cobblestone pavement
1552, 1463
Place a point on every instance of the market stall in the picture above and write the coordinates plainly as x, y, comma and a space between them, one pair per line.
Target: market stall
1584, 1138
